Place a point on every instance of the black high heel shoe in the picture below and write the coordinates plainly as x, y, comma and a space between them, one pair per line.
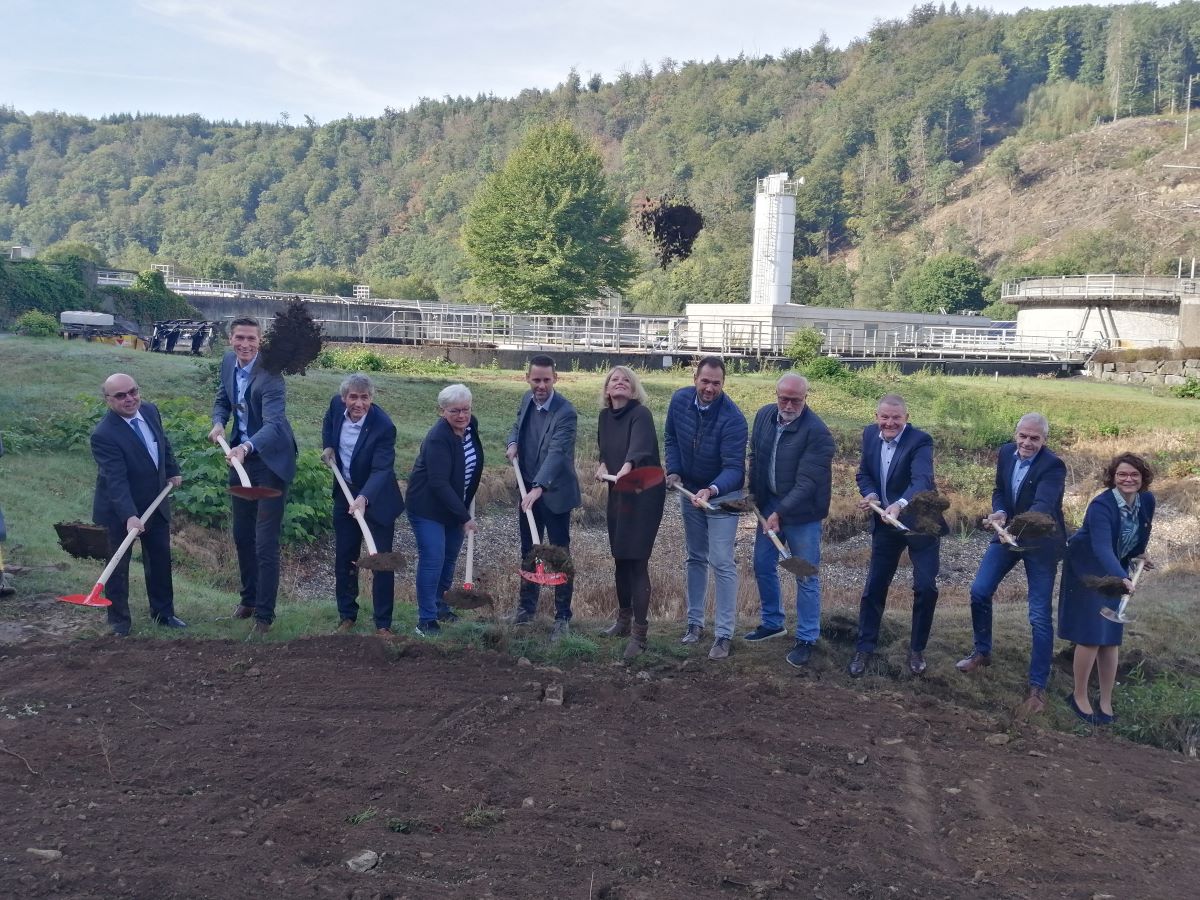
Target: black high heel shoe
1090, 718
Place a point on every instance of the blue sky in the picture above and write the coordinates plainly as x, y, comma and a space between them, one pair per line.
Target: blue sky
255, 59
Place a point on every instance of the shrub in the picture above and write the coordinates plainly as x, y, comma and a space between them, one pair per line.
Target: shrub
827, 368
1189, 390
804, 345
361, 359
35, 323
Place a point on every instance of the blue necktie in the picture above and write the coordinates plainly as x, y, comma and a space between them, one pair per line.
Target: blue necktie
140, 432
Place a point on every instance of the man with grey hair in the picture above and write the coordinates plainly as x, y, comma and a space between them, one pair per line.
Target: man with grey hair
791, 478
1029, 479
360, 439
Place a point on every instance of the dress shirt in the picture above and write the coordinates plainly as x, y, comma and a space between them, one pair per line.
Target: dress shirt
348, 441
142, 429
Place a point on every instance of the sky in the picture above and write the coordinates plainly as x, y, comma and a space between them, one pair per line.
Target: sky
256, 60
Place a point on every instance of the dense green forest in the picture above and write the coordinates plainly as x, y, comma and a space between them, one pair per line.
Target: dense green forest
880, 130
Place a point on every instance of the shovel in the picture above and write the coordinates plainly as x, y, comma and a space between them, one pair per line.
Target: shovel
374, 560
801, 568
704, 504
891, 520
245, 490
467, 597
93, 597
637, 480
539, 575
1119, 615
1006, 536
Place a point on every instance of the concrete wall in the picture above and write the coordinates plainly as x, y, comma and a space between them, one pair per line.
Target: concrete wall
1136, 324
1147, 371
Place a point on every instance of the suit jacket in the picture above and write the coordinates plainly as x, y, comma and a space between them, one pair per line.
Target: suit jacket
910, 473
1092, 550
127, 480
373, 463
555, 454
1041, 490
436, 487
267, 427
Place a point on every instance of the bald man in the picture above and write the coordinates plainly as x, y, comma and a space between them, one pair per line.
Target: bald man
134, 463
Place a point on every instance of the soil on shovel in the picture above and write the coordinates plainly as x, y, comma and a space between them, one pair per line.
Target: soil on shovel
220, 769
83, 540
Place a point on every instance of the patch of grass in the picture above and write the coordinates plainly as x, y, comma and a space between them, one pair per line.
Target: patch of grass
1162, 710
480, 816
405, 826
362, 816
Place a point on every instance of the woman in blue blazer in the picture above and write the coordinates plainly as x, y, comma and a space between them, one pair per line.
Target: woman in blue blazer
1116, 529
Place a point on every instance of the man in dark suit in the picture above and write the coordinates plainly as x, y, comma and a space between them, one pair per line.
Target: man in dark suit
360, 439
1029, 478
896, 464
134, 463
256, 402
542, 440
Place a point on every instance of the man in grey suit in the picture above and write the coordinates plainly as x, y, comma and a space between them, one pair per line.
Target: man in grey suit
256, 402
134, 462
543, 442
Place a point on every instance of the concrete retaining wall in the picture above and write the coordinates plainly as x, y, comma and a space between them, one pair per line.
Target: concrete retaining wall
1147, 371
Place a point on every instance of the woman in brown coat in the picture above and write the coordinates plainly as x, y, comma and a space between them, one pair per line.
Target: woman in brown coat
628, 440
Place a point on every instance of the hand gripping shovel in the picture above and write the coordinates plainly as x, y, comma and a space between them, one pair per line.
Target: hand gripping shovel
1006, 536
1119, 615
704, 504
891, 520
93, 597
540, 552
637, 480
245, 490
801, 568
374, 560
467, 596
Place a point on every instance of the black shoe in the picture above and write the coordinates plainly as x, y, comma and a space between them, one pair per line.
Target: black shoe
1104, 718
120, 631
801, 654
521, 617
171, 622
241, 611
428, 628
858, 664
1089, 718
448, 616
764, 633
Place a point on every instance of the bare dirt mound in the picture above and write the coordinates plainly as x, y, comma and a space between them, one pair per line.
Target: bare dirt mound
224, 769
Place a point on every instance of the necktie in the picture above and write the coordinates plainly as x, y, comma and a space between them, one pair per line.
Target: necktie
139, 430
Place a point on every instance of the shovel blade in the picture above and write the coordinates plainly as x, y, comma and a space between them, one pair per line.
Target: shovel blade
384, 562
1114, 616
93, 598
542, 577
801, 568
466, 597
254, 493
637, 480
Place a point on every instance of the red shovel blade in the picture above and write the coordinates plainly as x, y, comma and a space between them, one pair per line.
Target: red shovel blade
541, 576
93, 598
254, 493
637, 480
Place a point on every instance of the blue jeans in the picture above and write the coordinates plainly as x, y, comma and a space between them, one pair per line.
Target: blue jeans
437, 556
804, 542
710, 538
1040, 569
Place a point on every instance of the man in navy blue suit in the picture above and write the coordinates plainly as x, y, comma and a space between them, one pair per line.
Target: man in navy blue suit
1029, 478
134, 463
360, 439
896, 464
255, 400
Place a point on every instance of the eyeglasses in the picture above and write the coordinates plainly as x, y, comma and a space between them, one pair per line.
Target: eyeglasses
458, 412
121, 395
793, 401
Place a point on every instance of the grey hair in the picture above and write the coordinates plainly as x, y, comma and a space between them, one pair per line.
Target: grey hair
892, 400
1037, 419
357, 382
453, 393
796, 375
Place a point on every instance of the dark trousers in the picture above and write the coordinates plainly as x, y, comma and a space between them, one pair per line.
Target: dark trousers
256, 527
348, 541
633, 587
557, 527
887, 545
156, 564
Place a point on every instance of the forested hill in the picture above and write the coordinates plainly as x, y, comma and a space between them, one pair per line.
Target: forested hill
890, 133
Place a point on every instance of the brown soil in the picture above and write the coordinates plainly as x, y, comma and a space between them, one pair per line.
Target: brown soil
225, 769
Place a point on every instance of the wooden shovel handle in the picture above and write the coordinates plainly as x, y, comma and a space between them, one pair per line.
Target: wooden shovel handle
705, 504
133, 533
607, 477
891, 520
470, 576
762, 520
533, 529
1004, 534
237, 466
372, 550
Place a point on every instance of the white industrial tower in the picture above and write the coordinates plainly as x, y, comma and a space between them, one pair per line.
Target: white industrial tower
774, 232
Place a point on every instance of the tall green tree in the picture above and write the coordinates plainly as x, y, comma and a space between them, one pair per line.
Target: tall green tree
543, 234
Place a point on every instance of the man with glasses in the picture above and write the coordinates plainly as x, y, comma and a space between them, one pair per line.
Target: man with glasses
134, 463
791, 478
255, 400
705, 442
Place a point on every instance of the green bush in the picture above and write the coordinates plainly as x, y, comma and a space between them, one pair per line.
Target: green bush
35, 323
1189, 390
362, 359
805, 345
826, 368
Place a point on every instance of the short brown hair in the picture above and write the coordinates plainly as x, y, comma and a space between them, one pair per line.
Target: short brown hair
1130, 459
246, 321
711, 362
542, 361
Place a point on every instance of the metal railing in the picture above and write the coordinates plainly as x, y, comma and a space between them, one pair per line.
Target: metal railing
1088, 287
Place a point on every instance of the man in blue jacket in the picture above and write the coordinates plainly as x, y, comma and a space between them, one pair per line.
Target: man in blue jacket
705, 439
896, 464
791, 478
1029, 478
360, 439
255, 400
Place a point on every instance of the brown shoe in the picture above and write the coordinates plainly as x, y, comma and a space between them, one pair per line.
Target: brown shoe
385, 632
975, 661
243, 612
344, 627
620, 628
1035, 701
637, 641
260, 627
916, 662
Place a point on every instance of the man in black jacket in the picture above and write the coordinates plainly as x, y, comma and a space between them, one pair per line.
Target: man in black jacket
791, 477
134, 462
